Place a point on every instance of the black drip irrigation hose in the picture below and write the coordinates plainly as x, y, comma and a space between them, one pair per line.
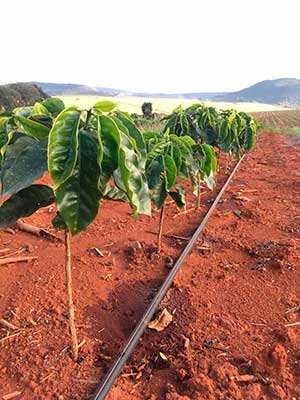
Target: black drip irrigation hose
120, 361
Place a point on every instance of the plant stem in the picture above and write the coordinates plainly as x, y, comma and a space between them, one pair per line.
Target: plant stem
74, 345
160, 229
199, 191
88, 116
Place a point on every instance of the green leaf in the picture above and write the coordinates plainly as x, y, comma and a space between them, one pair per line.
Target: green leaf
210, 181
159, 194
249, 137
131, 178
114, 193
25, 203
25, 161
54, 105
176, 155
184, 124
104, 106
78, 197
134, 132
32, 128
188, 141
170, 171
3, 132
148, 135
109, 136
182, 144
23, 111
40, 111
157, 150
58, 223
123, 128
153, 171
210, 161
178, 196
63, 145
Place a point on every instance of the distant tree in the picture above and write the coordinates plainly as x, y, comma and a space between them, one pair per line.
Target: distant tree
147, 110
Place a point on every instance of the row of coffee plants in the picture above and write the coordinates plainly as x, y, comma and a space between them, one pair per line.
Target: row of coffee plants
100, 153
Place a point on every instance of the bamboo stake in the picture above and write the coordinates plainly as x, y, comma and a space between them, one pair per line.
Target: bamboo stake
160, 229
74, 344
199, 191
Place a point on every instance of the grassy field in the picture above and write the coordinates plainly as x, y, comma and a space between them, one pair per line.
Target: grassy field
133, 104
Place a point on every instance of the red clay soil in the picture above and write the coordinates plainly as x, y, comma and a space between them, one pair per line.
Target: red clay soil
230, 303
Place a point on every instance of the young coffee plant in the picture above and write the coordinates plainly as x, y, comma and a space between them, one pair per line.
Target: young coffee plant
170, 157
83, 151
229, 131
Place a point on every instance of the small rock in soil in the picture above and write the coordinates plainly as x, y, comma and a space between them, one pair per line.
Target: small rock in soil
162, 321
135, 245
169, 262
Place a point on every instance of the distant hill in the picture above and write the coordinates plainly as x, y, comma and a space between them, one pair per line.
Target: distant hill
285, 91
71, 89
20, 94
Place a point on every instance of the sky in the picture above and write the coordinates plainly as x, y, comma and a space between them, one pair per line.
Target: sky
153, 46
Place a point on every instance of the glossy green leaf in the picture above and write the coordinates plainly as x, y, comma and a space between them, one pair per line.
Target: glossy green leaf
114, 193
25, 161
123, 128
159, 194
25, 203
54, 105
40, 111
176, 155
58, 223
104, 106
109, 137
249, 138
134, 132
185, 147
170, 171
78, 197
153, 172
63, 145
23, 111
32, 128
3, 132
148, 135
157, 150
131, 177
178, 196
210, 161
210, 181
184, 124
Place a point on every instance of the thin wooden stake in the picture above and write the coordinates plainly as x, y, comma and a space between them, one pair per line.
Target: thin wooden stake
199, 191
11, 336
68, 269
293, 324
160, 229
33, 230
10, 260
8, 325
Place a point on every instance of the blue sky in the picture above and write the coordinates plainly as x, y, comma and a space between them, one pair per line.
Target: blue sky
157, 45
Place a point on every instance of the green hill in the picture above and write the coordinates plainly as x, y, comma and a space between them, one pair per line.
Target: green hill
20, 94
